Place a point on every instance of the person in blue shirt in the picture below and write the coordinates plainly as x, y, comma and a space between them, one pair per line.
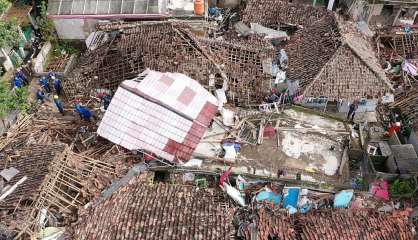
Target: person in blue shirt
58, 104
45, 84
84, 112
18, 82
22, 76
57, 85
40, 95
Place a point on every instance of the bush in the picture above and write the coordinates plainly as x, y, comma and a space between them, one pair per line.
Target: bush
402, 186
46, 25
63, 47
12, 100
9, 33
4, 4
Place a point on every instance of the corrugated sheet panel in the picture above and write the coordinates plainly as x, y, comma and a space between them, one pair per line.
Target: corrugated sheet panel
93, 7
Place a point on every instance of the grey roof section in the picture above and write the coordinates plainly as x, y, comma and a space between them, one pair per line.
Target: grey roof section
104, 7
406, 158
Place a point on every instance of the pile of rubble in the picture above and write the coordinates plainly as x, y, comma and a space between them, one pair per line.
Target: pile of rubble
199, 138
172, 47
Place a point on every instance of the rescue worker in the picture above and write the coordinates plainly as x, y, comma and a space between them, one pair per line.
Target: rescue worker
105, 98
84, 112
352, 110
22, 76
57, 85
18, 82
58, 104
45, 84
40, 95
272, 98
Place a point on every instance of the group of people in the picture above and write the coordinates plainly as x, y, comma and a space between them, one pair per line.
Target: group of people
45, 88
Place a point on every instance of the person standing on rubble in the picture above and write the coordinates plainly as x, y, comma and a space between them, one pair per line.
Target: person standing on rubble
272, 97
352, 110
84, 112
57, 85
58, 104
45, 84
40, 95
20, 74
105, 98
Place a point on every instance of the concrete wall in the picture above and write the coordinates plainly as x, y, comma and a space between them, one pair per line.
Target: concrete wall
7, 63
39, 61
74, 29
370, 106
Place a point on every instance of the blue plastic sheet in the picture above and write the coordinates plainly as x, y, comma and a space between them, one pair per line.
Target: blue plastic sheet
269, 197
343, 198
292, 197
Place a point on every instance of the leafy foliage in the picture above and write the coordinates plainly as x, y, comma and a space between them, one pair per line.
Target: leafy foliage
4, 4
12, 100
46, 25
402, 186
64, 48
9, 33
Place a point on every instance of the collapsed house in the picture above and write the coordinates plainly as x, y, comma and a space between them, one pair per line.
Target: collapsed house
31, 164
172, 47
337, 66
165, 114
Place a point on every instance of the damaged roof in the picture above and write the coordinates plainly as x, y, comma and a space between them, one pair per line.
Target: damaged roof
142, 210
341, 66
166, 114
32, 162
171, 47
271, 12
366, 224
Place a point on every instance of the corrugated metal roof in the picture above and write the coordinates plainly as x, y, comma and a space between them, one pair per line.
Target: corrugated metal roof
165, 113
104, 7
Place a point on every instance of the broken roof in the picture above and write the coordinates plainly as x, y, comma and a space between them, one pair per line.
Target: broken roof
165, 113
157, 211
171, 47
32, 162
103, 8
271, 12
311, 48
342, 66
332, 224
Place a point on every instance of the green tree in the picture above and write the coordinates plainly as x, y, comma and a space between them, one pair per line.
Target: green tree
4, 4
46, 25
12, 100
9, 33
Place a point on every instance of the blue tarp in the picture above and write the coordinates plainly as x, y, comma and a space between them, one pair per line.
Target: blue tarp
292, 197
269, 197
343, 198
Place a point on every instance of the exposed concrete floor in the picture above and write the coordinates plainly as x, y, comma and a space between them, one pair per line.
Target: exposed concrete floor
309, 151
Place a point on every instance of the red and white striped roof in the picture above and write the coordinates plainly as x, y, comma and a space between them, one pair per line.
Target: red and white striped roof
166, 114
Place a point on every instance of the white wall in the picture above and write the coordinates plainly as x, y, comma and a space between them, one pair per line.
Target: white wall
7, 64
74, 28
